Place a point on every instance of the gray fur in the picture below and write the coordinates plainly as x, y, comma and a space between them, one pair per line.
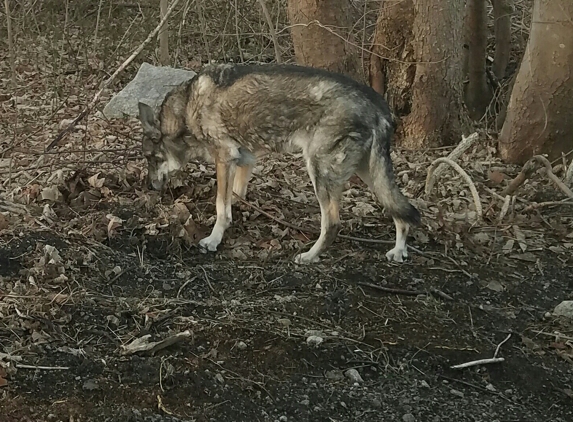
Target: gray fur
234, 112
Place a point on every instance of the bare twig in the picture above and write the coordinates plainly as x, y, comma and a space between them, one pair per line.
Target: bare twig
11, 43
272, 30
43, 368
109, 80
477, 362
433, 291
462, 147
547, 204
495, 359
465, 176
527, 171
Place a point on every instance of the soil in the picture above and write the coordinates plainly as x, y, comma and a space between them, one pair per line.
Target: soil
255, 350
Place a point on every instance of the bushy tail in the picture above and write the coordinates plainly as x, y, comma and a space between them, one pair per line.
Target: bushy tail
384, 183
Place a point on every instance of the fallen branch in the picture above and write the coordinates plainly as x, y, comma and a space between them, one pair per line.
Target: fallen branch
465, 176
462, 147
391, 290
528, 169
43, 368
538, 205
95, 99
142, 344
495, 359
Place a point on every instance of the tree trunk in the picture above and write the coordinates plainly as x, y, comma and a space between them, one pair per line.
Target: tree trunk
436, 117
477, 92
319, 33
502, 27
391, 62
539, 115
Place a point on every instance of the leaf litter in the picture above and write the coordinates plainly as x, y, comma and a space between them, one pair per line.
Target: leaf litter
95, 267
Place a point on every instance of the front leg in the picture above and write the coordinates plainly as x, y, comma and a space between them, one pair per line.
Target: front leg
225, 176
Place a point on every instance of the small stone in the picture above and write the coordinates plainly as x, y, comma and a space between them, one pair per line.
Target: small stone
334, 375
220, 379
457, 393
353, 375
424, 384
408, 417
241, 345
490, 387
283, 419
90, 385
314, 340
376, 404
305, 402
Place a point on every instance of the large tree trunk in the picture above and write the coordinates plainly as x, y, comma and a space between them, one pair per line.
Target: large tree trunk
539, 115
323, 43
391, 62
436, 114
477, 92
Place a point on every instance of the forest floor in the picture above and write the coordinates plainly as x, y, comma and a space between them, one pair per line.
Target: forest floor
108, 311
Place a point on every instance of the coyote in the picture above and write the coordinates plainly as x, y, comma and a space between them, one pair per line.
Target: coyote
234, 114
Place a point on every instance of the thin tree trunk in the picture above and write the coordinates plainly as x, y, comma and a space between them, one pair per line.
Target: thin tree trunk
502, 25
163, 36
477, 92
320, 30
539, 115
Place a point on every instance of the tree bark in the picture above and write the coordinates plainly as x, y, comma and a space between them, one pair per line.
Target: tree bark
502, 27
391, 62
539, 115
436, 116
319, 33
477, 92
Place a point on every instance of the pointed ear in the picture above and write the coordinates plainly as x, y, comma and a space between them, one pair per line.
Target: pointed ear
149, 123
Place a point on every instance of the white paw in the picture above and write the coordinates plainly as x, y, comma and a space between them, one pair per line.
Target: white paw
209, 244
397, 255
305, 258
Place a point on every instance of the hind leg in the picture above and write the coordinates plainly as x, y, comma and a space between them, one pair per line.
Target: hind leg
242, 176
329, 199
399, 252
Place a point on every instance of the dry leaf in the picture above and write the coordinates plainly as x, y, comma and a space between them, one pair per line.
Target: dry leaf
114, 223
96, 182
51, 193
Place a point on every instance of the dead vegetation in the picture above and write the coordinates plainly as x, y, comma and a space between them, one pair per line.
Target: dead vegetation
92, 264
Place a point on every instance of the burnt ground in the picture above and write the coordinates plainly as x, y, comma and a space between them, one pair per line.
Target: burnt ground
252, 355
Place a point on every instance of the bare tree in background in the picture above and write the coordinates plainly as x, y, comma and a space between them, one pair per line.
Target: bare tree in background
421, 68
539, 115
11, 42
319, 35
163, 36
478, 93
502, 10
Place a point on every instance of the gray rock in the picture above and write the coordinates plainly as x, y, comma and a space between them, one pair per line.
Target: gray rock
408, 417
564, 309
150, 86
353, 375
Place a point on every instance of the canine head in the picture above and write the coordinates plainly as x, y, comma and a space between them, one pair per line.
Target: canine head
164, 142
